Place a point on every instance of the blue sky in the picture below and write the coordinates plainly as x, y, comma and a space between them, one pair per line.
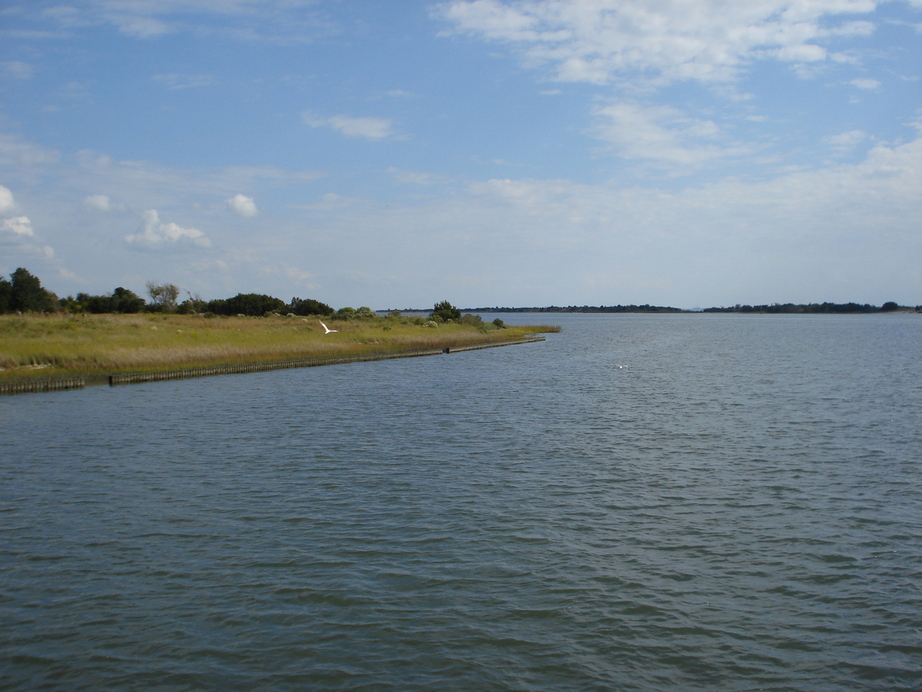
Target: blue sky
691, 153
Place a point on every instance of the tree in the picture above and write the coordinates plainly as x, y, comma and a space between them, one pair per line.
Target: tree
162, 296
193, 304
251, 304
126, 301
309, 307
445, 311
6, 295
27, 294
889, 306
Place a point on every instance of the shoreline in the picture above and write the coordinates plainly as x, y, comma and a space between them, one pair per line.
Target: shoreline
65, 383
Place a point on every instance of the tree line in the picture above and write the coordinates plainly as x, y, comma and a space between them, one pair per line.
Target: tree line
812, 308
23, 292
774, 308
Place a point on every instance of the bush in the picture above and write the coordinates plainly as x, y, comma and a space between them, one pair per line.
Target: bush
445, 312
248, 304
472, 320
309, 307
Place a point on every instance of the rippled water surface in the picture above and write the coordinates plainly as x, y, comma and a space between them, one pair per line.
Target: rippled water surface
651, 502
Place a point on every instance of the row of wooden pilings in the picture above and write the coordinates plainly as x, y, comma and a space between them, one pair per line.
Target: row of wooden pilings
49, 385
59, 384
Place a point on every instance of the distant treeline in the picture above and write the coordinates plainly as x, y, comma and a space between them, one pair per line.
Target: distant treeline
584, 308
23, 292
813, 308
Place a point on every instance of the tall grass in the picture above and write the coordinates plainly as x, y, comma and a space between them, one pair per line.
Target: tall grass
56, 345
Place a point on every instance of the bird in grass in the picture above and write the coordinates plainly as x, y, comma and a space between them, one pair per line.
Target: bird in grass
328, 330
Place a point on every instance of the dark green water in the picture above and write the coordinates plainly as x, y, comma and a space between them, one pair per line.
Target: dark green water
738, 507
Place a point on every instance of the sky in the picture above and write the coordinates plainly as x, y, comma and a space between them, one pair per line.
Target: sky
690, 153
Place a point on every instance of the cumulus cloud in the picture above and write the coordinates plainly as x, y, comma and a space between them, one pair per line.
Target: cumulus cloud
604, 41
19, 226
367, 128
7, 203
242, 205
97, 202
16, 231
156, 235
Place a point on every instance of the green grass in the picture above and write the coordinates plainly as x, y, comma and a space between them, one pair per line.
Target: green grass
41, 346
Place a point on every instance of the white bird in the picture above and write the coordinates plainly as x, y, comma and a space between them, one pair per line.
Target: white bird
328, 330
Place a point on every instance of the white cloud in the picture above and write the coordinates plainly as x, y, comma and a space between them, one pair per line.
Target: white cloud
19, 226
604, 41
18, 154
368, 128
97, 202
865, 83
276, 21
157, 235
414, 177
661, 134
242, 205
7, 203
17, 232
847, 141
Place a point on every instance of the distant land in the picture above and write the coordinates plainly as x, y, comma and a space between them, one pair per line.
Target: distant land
774, 308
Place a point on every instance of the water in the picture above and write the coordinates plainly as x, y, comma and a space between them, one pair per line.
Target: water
738, 507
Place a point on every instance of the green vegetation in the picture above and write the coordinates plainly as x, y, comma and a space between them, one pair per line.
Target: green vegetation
24, 293
37, 345
445, 312
813, 308
96, 336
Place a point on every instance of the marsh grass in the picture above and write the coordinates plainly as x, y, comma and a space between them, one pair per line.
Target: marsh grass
39, 346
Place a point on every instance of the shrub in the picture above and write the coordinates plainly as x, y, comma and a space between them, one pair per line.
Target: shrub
248, 304
309, 307
445, 311
472, 320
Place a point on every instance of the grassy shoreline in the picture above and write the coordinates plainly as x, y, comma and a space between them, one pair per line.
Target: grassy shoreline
40, 346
